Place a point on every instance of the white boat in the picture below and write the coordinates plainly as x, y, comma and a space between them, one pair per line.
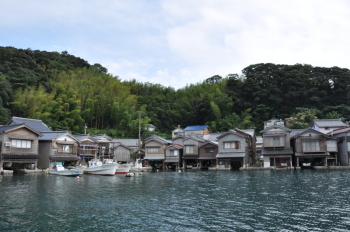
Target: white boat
123, 168
105, 168
58, 169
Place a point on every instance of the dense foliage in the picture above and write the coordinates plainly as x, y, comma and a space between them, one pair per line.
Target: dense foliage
67, 93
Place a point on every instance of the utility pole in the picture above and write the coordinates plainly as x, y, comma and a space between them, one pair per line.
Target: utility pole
139, 143
85, 129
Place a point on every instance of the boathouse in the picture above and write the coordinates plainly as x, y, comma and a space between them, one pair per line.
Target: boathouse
18, 147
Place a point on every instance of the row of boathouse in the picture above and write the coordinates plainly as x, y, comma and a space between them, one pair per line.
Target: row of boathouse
29, 143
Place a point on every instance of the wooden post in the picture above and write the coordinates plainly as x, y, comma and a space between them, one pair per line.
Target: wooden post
1, 163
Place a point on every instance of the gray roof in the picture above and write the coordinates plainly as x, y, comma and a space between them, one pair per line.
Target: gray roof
121, 145
156, 138
209, 142
309, 130
127, 142
7, 128
52, 135
329, 123
36, 124
87, 136
276, 126
250, 132
97, 137
296, 131
235, 133
212, 136
194, 137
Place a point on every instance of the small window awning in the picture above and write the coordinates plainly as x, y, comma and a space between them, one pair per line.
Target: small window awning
64, 158
305, 155
153, 158
231, 155
206, 158
190, 157
284, 151
20, 156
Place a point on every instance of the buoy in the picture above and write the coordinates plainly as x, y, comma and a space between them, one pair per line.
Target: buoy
77, 177
130, 174
179, 171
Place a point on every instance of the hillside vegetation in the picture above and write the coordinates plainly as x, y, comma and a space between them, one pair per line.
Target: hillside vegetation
67, 93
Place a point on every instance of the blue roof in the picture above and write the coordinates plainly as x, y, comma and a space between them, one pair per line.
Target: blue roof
193, 128
35, 124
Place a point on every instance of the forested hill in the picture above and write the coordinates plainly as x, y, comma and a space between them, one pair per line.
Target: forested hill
67, 92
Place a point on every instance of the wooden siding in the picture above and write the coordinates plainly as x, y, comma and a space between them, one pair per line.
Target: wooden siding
276, 132
121, 154
154, 155
23, 134
203, 154
232, 138
299, 143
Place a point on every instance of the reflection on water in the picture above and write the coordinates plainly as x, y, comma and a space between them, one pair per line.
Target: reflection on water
171, 201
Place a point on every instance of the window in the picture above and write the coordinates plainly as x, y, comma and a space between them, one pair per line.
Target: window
174, 153
231, 145
274, 141
20, 143
348, 146
209, 150
331, 145
66, 148
189, 149
153, 150
311, 146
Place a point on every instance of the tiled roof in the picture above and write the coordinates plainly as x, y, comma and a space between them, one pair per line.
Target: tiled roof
212, 136
339, 131
296, 131
36, 124
156, 138
329, 123
82, 137
98, 137
194, 137
209, 142
276, 126
7, 128
121, 145
194, 128
308, 130
250, 132
235, 133
127, 142
52, 135
173, 146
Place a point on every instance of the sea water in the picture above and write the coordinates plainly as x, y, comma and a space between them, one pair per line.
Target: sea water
303, 200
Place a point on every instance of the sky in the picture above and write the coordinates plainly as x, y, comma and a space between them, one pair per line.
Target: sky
180, 42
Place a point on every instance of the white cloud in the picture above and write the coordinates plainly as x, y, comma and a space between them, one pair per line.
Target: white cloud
180, 42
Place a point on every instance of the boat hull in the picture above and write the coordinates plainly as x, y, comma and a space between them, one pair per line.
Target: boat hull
73, 173
123, 168
104, 170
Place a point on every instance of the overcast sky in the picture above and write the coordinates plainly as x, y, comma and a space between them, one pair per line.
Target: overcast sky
178, 42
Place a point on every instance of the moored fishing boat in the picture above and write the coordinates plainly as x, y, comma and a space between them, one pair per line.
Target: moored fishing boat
105, 168
123, 168
58, 169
